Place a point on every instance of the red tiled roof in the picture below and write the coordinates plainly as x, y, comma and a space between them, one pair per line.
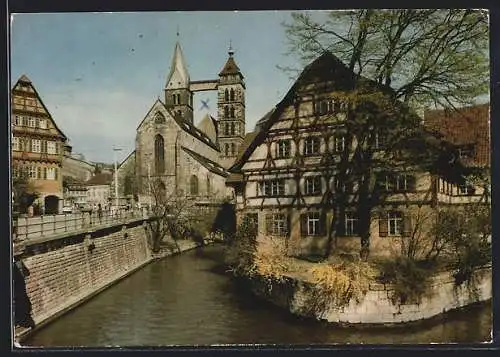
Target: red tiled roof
465, 126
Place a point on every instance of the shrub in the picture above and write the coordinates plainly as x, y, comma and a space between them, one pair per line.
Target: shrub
240, 251
410, 279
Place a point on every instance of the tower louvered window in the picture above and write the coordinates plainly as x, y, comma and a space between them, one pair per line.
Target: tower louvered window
232, 94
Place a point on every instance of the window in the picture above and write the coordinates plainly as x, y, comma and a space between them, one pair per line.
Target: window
283, 148
32, 172
193, 185
159, 118
209, 187
45, 173
36, 145
44, 146
39, 172
16, 120
311, 146
379, 141
272, 188
226, 95
15, 143
232, 112
277, 224
466, 151
43, 124
159, 154
177, 98
398, 182
253, 220
395, 223
351, 224
465, 189
312, 224
232, 149
51, 173
442, 186
232, 128
51, 147
226, 112
24, 121
31, 122
56, 173
226, 149
232, 94
339, 143
322, 107
313, 185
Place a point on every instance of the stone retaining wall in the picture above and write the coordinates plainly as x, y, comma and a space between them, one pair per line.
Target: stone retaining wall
377, 307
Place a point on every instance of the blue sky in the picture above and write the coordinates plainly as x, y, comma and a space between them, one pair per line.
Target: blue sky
99, 73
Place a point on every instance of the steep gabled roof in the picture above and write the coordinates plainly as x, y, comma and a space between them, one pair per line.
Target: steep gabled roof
325, 67
178, 76
210, 165
187, 127
230, 67
464, 126
100, 179
208, 125
25, 80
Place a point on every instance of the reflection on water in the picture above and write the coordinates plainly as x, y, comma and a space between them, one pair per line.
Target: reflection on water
187, 300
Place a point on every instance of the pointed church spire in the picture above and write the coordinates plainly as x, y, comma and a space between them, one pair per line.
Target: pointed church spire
178, 76
230, 52
230, 67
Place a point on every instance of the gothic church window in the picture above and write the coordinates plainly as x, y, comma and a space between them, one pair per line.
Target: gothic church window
232, 112
159, 154
232, 94
232, 128
226, 112
226, 95
159, 118
193, 183
232, 149
226, 129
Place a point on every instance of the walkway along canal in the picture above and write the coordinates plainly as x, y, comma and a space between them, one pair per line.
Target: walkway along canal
188, 300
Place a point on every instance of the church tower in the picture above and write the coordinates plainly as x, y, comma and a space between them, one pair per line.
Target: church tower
231, 110
178, 96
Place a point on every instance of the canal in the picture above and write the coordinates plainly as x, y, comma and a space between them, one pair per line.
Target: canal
187, 300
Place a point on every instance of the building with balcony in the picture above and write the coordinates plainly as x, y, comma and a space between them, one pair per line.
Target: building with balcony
37, 146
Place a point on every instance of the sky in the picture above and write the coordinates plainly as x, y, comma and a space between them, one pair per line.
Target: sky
98, 74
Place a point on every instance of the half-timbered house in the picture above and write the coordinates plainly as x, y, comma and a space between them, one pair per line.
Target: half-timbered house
37, 145
287, 176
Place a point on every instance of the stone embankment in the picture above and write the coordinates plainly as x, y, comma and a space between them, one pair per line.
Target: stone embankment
377, 306
63, 271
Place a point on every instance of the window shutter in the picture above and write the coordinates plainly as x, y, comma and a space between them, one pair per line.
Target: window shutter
269, 223
322, 224
303, 224
383, 225
406, 225
411, 182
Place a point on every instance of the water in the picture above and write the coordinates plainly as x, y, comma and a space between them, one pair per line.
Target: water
188, 300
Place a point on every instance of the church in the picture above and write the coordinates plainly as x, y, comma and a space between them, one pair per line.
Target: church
190, 160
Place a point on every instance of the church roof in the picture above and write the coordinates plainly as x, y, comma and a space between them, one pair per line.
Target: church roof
210, 165
100, 179
209, 127
230, 67
179, 75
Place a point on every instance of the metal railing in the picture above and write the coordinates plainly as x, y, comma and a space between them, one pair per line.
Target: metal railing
50, 225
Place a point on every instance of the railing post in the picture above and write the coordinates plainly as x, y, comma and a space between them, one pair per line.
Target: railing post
41, 225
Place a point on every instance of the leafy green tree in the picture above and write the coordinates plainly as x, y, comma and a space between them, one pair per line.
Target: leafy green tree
396, 61
24, 193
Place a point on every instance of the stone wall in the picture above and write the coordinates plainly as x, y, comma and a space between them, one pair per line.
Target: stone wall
377, 307
65, 271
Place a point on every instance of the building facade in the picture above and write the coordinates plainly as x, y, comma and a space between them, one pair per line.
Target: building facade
99, 190
190, 160
287, 177
37, 146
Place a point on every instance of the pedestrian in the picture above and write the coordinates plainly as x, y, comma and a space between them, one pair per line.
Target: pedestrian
99, 212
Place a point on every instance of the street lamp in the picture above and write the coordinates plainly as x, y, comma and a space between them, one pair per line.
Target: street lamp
115, 149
